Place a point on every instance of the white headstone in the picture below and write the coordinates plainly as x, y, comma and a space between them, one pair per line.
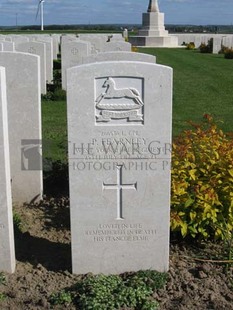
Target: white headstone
119, 129
72, 54
49, 58
116, 37
8, 46
7, 250
217, 44
19, 39
119, 56
36, 48
24, 119
56, 43
117, 46
227, 41
98, 42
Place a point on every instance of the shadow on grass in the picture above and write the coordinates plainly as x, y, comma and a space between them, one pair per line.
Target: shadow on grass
56, 180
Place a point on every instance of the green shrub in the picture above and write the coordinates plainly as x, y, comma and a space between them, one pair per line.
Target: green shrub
134, 49
59, 95
223, 49
190, 46
2, 279
228, 53
61, 298
57, 64
114, 292
202, 182
17, 226
207, 48
2, 282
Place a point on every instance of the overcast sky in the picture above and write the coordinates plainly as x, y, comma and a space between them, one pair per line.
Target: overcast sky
198, 12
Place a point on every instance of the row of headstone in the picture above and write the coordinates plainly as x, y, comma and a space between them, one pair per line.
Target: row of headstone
219, 40
119, 128
75, 50
48, 50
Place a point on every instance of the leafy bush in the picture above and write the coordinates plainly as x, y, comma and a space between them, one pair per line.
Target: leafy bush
228, 53
57, 64
18, 225
114, 292
202, 182
2, 282
134, 49
2, 279
223, 49
207, 48
190, 46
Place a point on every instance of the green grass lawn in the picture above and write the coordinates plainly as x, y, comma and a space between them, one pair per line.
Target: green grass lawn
203, 83
54, 129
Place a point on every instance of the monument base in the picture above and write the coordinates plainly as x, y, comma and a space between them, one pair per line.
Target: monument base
169, 41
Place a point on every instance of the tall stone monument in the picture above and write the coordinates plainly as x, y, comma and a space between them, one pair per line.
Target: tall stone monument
153, 32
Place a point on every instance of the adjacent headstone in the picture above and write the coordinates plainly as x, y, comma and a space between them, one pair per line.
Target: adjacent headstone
119, 56
197, 41
119, 129
36, 48
72, 54
56, 43
24, 119
98, 42
117, 46
217, 45
19, 39
116, 37
227, 41
49, 59
7, 250
8, 46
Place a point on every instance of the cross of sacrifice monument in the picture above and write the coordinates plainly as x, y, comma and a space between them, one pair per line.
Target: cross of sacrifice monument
153, 6
119, 187
153, 32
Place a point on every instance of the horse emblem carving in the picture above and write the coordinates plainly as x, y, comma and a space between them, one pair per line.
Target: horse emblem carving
118, 103
116, 93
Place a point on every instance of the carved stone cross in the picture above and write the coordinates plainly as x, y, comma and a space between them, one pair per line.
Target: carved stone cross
119, 186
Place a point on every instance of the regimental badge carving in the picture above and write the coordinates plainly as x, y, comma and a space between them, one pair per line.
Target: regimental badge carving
119, 103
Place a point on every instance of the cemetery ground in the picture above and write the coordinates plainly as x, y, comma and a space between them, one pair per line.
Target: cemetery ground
200, 275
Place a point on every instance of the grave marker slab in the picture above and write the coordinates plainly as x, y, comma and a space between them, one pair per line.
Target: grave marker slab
24, 119
217, 44
49, 58
7, 251
119, 128
72, 54
36, 48
119, 56
8, 46
117, 46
